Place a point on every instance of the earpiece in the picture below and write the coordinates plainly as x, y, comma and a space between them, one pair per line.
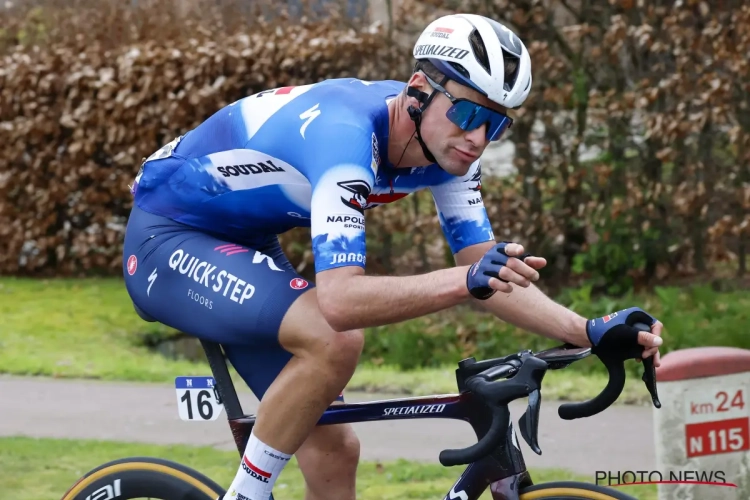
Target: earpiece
416, 113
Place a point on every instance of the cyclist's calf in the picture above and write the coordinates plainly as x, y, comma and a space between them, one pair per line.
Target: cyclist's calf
328, 460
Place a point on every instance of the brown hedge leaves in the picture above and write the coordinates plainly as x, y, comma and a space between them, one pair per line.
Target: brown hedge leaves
76, 118
633, 151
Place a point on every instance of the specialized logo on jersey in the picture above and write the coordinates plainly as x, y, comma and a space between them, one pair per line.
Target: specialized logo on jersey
308, 116
360, 191
151, 278
258, 109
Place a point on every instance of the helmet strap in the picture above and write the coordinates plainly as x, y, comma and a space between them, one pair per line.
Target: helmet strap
416, 115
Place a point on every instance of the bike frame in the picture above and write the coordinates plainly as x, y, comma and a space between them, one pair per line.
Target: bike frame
503, 470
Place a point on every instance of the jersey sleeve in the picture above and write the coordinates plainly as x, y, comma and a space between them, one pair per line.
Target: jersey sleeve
463, 217
339, 196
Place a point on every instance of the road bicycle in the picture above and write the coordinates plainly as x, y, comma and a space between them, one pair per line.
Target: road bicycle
485, 388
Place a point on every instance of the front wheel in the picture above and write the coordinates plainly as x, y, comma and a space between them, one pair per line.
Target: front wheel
571, 490
144, 477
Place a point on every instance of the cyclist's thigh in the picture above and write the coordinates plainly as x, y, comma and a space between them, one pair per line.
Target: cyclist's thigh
215, 290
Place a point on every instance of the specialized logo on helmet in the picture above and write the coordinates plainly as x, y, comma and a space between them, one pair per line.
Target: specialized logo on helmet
360, 191
504, 77
440, 50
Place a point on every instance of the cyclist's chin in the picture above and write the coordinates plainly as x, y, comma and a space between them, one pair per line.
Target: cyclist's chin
453, 165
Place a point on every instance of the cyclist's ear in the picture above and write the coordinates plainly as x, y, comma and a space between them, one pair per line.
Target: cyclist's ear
418, 84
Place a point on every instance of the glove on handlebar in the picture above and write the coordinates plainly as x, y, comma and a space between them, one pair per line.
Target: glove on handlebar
489, 266
615, 335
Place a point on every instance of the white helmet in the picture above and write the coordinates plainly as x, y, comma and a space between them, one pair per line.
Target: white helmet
480, 53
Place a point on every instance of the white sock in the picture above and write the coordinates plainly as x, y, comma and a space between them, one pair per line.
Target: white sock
260, 467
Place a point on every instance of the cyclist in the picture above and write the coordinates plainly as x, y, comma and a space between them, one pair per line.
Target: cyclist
201, 252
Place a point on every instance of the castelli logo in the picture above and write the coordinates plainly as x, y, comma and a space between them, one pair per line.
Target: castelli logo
132, 264
298, 284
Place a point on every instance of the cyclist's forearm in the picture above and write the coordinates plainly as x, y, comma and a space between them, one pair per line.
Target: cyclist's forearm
532, 310
364, 301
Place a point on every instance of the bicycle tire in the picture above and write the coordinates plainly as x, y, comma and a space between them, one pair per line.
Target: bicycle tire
571, 490
143, 477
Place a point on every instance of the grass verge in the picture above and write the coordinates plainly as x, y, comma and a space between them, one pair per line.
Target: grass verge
87, 329
43, 469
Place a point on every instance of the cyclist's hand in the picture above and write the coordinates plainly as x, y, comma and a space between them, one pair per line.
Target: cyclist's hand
503, 264
614, 333
644, 338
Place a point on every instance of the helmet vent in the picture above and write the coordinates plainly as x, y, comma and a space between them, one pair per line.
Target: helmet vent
480, 51
511, 64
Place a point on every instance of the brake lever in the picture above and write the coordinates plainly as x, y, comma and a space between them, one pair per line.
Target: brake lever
649, 370
529, 422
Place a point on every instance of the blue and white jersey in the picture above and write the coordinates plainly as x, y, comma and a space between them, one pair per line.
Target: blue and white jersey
306, 156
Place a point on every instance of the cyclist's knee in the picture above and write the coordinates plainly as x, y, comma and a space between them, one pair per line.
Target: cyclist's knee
306, 334
341, 349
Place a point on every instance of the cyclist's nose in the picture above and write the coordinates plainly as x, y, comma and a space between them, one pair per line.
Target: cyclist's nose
478, 136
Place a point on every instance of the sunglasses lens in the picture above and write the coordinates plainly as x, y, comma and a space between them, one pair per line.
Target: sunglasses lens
464, 114
497, 127
469, 116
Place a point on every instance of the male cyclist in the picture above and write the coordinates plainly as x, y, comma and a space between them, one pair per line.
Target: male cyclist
201, 250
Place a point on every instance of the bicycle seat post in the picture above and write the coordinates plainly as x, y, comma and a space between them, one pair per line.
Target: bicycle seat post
224, 384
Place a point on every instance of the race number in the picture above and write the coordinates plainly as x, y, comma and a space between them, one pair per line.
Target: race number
197, 398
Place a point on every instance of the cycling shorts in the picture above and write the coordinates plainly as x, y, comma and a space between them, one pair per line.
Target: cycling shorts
234, 293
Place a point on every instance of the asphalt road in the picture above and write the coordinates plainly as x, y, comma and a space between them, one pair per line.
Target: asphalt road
619, 439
